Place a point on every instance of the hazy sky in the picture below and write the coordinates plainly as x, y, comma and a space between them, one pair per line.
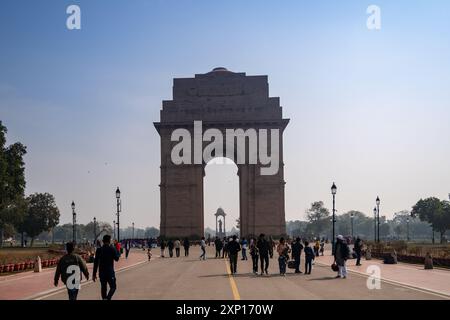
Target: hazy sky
369, 109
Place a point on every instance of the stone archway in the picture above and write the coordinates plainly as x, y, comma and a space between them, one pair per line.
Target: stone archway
221, 100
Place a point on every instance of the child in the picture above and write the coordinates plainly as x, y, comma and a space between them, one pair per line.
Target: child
149, 253
309, 257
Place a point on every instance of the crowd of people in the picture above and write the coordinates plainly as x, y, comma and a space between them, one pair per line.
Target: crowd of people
260, 249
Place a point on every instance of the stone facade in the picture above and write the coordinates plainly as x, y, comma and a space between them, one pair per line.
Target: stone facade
220, 99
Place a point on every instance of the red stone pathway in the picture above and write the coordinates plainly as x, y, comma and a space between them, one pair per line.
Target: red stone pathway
436, 280
28, 284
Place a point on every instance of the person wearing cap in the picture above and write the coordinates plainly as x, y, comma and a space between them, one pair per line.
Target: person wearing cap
341, 252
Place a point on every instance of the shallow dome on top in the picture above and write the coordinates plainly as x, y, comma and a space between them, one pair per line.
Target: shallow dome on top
220, 212
220, 69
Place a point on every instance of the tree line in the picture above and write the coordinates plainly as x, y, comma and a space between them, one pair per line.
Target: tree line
426, 217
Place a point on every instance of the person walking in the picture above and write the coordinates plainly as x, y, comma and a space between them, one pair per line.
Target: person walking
254, 253
203, 248
322, 247
225, 248
170, 245
244, 244
233, 249
163, 247
316, 247
341, 252
104, 264
66, 267
264, 251
283, 255
177, 245
127, 248
297, 248
272, 245
358, 248
218, 245
309, 257
186, 245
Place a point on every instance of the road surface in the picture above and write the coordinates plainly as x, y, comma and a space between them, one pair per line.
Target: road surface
190, 278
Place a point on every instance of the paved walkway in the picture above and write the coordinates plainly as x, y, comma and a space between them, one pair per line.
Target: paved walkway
28, 284
189, 278
436, 280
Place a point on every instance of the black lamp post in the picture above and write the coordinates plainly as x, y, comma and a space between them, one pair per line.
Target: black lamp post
118, 213
352, 216
333, 192
375, 224
95, 229
114, 229
133, 231
74, 222
378, 218
407, 229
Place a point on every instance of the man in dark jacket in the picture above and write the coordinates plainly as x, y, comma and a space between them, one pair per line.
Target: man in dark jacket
69, 266
233, 249
264, 250
341, 252
104, 263
170, 245
218, 244
358, 249
297, 248
186, 245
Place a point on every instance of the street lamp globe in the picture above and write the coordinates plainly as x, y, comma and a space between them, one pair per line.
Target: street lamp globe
333, 189
378, 201
117, 193
73, 205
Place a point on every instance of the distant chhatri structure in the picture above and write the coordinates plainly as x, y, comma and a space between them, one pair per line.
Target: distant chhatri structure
219, 231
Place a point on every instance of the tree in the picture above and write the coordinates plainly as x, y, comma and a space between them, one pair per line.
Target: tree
151, 232
101, 228
318, 217
42, 215
435, 212
12, 183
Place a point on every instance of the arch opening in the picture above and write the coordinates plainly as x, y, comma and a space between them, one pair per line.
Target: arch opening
221, 193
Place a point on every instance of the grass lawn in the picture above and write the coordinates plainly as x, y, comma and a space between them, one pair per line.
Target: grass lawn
16, 254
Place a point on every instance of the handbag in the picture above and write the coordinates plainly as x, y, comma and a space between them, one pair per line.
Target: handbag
334, 267
291, 264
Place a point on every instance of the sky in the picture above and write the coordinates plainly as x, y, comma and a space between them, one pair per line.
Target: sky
368, 109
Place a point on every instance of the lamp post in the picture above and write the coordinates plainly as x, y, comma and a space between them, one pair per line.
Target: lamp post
352, 216
119, 203
114, 229
74, 222
95, 229
375, 224
333, 192
378, 218
133, 231
407, 229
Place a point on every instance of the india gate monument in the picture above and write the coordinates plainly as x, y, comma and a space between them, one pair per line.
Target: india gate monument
207, 108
